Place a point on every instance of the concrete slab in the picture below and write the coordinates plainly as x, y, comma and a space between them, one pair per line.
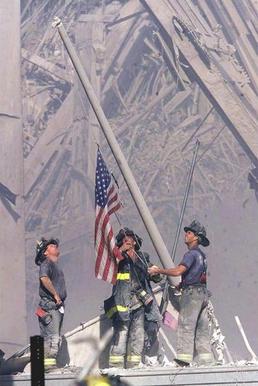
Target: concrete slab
208, 376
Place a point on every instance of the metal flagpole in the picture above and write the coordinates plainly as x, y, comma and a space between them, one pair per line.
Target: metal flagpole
165, 297
137, 196
188, 186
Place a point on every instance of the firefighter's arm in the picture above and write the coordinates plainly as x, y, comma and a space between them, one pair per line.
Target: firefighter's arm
156, 278
127, 246
177, 271
117, 253
47, 283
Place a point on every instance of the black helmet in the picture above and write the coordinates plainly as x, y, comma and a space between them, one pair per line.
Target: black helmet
128, 232
199, 231
41, 247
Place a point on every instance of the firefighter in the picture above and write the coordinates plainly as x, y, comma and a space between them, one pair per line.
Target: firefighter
193, 338
52, 292
131, 301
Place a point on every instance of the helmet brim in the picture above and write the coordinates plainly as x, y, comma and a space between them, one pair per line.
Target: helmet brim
40, 253
204, 241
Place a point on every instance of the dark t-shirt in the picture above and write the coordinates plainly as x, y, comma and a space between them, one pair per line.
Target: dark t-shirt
195, 262
56, 275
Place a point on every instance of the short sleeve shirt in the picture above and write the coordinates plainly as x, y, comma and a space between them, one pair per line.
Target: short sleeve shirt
56, 275
196, 264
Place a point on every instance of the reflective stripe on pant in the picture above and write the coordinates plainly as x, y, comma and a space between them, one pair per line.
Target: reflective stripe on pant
117, 361
193, 338
51, 333
133, 360
118, 347
128, 341
203, 358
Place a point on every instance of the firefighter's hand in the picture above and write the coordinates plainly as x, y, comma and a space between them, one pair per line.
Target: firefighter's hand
127, 245
57, 299
154, 270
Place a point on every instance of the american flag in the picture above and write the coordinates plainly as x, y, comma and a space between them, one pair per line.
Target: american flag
107, 202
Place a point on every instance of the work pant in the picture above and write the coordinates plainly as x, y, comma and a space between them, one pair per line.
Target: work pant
128, 341
50, 330
193, 337
151, 341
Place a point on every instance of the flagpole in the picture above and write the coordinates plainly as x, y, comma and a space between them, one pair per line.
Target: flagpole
188, 186
136, 194
165, 297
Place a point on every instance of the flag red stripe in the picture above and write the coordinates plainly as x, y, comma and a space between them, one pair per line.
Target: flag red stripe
109, 261
113, 199
111, 190
99, 215
113, 210
102, 241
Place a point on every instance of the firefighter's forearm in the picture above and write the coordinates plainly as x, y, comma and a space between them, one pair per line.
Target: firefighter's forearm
176, 271
170, 271
47, 283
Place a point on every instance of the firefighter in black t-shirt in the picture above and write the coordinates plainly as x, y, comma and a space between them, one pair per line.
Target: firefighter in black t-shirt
52, 292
